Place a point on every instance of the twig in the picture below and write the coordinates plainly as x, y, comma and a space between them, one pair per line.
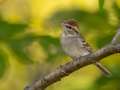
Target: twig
116, 38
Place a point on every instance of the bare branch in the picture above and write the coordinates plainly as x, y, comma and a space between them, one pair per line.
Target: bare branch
68, 68
116, 38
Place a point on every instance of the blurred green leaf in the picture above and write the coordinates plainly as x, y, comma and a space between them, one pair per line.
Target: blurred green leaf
101, 6
112, 83
51, 46
117, 10
18, 47
7, 30
3, 62
104, 39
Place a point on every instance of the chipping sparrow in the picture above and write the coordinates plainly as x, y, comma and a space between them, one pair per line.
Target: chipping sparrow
74, 44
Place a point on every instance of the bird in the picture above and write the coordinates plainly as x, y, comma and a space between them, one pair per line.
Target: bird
75, 45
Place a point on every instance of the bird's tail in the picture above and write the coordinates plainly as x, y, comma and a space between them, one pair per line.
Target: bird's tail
103, 69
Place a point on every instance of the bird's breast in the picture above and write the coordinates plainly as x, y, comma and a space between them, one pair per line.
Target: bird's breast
72, 46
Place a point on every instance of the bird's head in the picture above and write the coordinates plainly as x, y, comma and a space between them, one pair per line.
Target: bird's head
70, 27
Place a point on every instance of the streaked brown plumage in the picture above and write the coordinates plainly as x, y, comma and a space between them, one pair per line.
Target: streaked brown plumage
74, 44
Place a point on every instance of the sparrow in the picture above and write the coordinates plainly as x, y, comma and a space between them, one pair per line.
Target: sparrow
75, 45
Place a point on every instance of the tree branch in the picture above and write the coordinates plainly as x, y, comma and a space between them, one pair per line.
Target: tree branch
116, 38
73, 65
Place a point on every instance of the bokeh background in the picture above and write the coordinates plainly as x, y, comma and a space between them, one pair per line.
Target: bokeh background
30, 47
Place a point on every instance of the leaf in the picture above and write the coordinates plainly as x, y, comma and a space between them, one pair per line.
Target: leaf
51, 46
3, 62
104, 39
8, 30
18, 45
101, 6
8, 33
112, 83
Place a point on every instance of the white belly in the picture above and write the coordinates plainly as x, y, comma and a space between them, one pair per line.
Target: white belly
72, 46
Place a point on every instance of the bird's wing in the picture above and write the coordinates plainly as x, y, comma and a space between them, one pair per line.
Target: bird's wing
84, 44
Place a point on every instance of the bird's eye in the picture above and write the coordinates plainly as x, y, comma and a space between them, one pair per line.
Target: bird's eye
69, 27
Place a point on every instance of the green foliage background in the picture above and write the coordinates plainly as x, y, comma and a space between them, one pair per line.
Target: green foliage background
30, 47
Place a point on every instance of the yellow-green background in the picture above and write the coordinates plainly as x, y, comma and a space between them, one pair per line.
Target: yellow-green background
30, 47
